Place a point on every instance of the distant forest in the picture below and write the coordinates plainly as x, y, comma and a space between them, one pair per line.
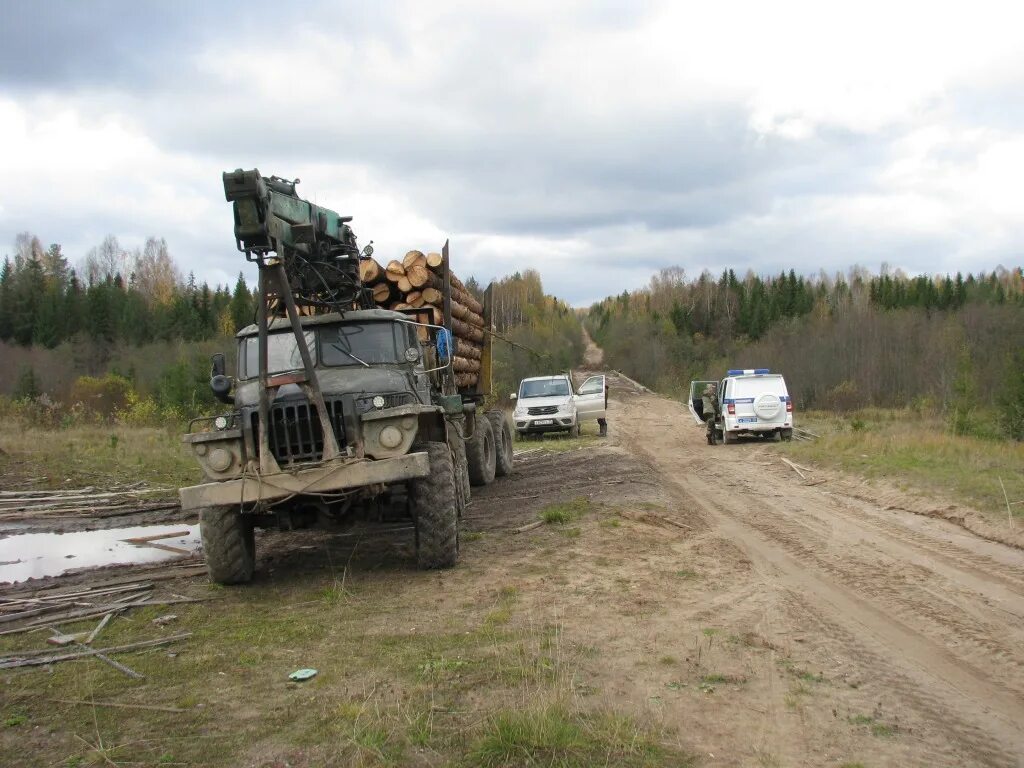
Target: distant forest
133, 314
843, 341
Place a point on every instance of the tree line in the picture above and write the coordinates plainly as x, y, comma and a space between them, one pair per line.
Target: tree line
114, 295
843, 341
132, 315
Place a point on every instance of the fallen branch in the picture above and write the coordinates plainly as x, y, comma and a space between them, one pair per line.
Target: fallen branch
793, 467
1009, 512
118, 704
12, 662
528, 527
156, 537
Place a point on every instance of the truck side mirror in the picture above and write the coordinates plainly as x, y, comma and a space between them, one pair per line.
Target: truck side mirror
220, 383
219, 368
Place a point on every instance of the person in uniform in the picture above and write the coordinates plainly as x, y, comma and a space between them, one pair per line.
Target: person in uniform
709, 400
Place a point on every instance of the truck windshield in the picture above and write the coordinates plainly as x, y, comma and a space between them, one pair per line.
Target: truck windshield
362, 344
544, 388
282, 353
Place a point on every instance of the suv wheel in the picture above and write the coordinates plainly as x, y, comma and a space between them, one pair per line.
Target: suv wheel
502, 443
229, 544
435, 510
480, 452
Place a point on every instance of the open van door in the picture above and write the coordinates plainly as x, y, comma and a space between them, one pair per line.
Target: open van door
696, 404
590, 399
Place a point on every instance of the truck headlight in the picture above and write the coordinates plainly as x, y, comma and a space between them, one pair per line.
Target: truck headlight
221, 422
378, 402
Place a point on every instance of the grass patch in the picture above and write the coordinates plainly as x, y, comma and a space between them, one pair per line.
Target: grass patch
565, 512
100, 456
919, 451
878, 729
800, 673
555, 736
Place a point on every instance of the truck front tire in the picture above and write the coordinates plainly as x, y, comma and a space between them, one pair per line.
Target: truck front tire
480, 452
502, 443
435, 506
229, 544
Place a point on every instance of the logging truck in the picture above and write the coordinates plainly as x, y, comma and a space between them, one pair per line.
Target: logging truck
356, 397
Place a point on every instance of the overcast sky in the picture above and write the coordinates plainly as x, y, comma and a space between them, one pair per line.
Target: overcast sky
594, 141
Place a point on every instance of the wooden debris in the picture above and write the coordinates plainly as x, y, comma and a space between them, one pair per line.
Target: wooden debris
99, 628
120, 705
528, 527
156, 537
12, 662
793, 466
651, 518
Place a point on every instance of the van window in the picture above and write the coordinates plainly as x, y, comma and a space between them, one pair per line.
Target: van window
756, 385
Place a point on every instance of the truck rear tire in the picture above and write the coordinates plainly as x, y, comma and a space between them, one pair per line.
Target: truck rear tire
229, 544
480, 452
435, 508
502, 443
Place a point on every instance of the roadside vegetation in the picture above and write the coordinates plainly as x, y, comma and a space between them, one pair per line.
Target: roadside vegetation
920, 451
949, 345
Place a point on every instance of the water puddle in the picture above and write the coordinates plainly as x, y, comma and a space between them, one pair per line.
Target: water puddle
34, 555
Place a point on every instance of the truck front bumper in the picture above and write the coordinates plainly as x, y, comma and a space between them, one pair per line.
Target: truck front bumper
326, 478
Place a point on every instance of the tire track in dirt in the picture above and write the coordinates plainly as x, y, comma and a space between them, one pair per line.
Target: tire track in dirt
938, 618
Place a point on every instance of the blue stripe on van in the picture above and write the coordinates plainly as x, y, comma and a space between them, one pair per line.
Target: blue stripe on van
733, 400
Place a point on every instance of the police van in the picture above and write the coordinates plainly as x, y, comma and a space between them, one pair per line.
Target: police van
753, 401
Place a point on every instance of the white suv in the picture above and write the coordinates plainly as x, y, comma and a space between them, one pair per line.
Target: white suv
753, 401
548, 404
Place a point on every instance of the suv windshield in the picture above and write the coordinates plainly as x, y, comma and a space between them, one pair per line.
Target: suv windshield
544, 388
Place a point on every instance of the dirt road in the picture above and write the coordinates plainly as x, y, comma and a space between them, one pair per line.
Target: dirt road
917, 625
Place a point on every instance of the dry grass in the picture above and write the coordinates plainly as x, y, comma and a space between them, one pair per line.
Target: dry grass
918, 452
99, 455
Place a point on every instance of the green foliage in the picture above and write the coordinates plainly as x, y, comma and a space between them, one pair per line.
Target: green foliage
27, 387
964, 405
843, 342
101, 397
1011, 398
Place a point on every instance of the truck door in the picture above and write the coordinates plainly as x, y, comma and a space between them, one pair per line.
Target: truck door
590, 399
696, 404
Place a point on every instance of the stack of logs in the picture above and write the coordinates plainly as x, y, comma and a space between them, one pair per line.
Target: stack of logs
415, 283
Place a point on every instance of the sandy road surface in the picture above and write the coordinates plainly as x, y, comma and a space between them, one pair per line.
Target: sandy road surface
922, 620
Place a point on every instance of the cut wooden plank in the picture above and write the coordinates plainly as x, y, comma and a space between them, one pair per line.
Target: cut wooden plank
793, 467
99, 628
156, 537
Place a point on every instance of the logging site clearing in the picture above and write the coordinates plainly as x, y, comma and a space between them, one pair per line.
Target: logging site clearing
640, 600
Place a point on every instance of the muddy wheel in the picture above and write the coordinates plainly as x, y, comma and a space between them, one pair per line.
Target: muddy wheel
458, 446
480, 452
229, 544
502, 443
727, 439
786, 434
435, 510
574, 430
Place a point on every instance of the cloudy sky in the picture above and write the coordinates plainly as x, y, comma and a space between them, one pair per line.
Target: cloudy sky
594, 141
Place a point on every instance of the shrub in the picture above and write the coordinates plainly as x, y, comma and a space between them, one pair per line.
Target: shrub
27, 387
101, 397
1011, 398
843, 397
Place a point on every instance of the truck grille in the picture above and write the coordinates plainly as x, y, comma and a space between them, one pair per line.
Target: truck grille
295, 434
542, 410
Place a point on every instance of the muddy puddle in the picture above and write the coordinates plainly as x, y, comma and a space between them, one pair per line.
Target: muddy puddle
35, 555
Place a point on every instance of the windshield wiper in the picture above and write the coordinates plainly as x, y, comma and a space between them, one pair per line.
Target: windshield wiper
342, 349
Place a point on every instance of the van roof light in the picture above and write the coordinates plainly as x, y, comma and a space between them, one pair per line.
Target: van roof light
748, 371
